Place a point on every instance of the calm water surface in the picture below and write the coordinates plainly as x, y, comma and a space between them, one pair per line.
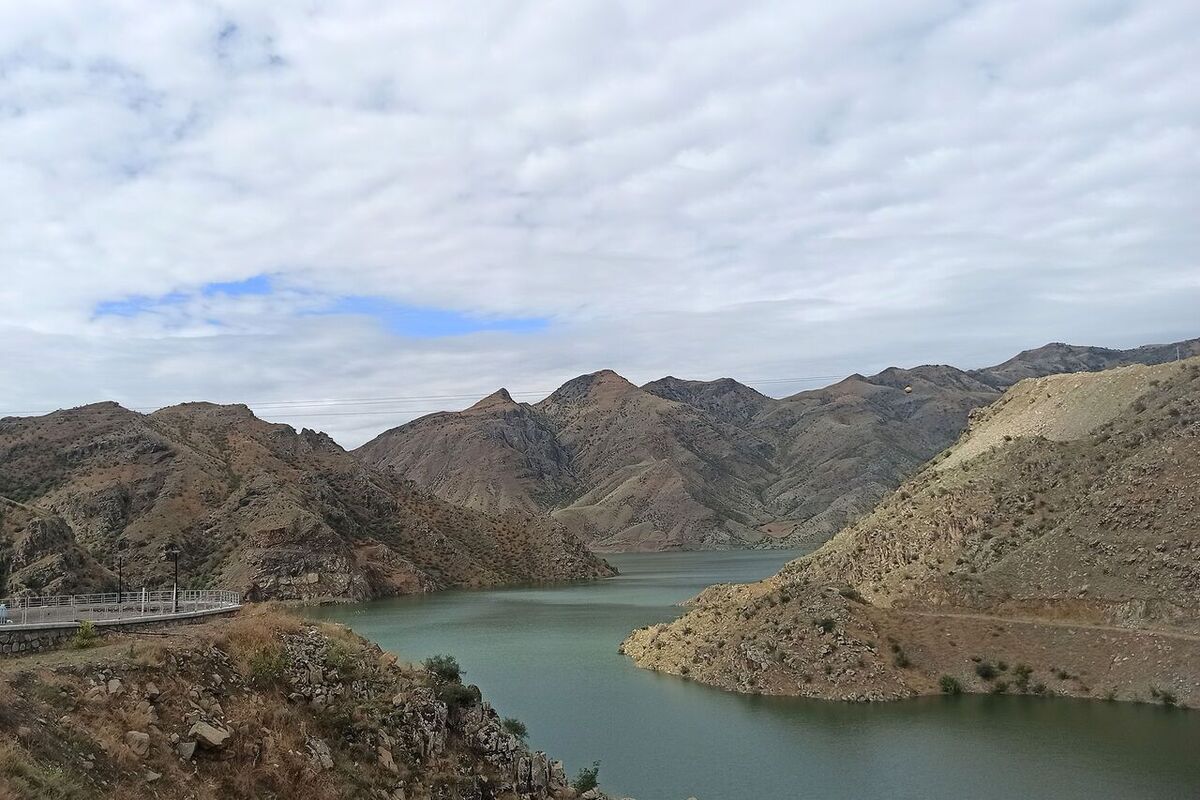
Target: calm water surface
549, 657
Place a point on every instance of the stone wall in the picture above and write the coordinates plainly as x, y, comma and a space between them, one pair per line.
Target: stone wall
32, 641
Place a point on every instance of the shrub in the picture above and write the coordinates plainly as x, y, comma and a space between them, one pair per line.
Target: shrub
339, 657
445, 668
1022, 673
850, 593
901, 659
950, 685
266, 667
1164, 696
86, 636
587, 778
1000, 687
985, 670
455, 695
826, 624
515, 727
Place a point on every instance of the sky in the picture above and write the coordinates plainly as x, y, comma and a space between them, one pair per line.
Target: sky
347, 214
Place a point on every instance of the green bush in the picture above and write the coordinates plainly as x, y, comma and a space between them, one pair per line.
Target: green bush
86, 636
267, 667
1000, 687
1022, 672
445, 668
826, 624
950, 685
455, 695
515, 727
1164, 696
985, 670
340, 658
587, 778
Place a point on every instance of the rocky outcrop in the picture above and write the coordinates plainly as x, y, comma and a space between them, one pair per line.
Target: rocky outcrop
261, 706
39, 554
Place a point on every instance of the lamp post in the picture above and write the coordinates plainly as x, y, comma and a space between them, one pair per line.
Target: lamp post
120, 578
171, 553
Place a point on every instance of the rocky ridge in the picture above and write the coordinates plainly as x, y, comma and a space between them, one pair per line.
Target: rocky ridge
678, 464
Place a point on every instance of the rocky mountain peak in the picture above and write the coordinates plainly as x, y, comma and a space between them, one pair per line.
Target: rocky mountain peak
497, 400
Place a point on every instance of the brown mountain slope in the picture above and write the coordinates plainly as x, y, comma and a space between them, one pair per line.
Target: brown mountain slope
1057, 358
1062, 532
620, 466
260, 507
679, 464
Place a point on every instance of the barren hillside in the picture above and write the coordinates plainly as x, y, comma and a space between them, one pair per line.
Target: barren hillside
1060, 533
260, 507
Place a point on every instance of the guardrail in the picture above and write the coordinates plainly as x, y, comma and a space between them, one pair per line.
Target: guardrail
112, 608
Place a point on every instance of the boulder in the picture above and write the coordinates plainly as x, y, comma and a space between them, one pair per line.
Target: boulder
186, 750
385, 759
138, 742
208, 736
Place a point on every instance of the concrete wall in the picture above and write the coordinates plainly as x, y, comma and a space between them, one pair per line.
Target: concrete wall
17, 639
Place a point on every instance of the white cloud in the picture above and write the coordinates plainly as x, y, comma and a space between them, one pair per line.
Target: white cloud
758, 189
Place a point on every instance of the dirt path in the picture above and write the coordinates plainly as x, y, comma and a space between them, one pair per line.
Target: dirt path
1056, 624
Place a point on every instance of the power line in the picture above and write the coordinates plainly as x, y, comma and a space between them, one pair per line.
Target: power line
298, 406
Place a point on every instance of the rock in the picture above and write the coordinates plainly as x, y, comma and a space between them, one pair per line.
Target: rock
385, 759
186, 750
209, 737
24, 732
152, 776
320, 753
138, 742
152, 691
115, 687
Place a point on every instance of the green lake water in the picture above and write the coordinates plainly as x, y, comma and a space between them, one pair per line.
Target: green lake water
548, 656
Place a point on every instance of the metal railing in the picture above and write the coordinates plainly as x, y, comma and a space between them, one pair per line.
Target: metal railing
107, 608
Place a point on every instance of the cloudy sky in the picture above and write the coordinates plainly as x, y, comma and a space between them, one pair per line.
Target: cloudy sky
350, 213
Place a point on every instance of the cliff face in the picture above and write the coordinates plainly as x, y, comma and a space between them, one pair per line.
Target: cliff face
1059, 533
39, 554
259, 507
257, 707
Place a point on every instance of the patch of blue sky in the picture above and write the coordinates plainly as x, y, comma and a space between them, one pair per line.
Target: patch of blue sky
138, 304
257, 285
401, 319
429, 322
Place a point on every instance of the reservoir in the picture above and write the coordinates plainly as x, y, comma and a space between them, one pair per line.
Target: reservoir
548, 656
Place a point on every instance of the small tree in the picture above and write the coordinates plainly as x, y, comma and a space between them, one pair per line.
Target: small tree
515, 727
86, 636
950, 685
445, 668
587, 779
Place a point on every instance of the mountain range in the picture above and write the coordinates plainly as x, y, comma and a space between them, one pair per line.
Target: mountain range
260, 507
680, 464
